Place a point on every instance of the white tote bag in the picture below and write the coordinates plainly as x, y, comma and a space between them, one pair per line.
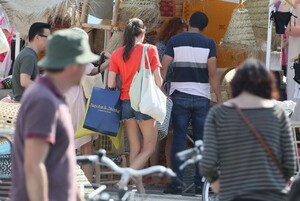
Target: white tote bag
153, 100
136, 84
4, 46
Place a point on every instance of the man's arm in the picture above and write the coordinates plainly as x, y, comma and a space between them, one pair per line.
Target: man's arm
36, 151
28, 65
213, 77
25, 80
165, 64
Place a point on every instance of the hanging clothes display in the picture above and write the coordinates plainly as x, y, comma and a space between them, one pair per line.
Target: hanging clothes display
296, 67
5, 66
293, 50
281, 20
5, 58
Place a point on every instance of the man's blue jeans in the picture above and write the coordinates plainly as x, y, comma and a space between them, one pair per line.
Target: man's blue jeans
187, 107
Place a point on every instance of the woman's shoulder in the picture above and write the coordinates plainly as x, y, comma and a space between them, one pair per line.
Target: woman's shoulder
150, 46
152, 49
218, 109
118, 51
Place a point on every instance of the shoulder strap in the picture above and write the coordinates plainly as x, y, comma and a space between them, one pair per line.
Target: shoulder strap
142, 63
260, 139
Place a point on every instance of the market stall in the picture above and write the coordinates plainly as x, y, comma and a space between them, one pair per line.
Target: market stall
239, 28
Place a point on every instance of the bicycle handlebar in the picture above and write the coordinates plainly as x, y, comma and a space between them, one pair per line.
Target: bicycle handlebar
190, 156
186, 154
87, 159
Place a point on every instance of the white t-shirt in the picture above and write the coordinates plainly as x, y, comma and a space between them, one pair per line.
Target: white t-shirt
88, 69
76, 102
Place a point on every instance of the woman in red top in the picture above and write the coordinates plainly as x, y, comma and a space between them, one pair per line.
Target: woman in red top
125, 61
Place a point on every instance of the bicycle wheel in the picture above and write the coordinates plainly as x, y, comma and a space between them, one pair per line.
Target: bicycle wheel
207, 194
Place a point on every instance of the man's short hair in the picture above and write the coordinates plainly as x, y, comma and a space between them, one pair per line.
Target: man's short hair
37, 29
199, 20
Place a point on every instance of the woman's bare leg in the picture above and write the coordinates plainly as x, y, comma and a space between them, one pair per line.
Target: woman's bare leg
155, 156
135, 142
149, 132
134, 137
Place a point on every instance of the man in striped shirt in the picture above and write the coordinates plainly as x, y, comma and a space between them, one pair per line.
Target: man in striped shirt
194, 57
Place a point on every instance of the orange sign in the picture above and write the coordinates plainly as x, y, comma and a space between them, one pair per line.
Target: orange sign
219, 13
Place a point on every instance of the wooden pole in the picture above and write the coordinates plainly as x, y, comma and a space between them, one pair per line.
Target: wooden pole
18, 44
73, 16
115, 13
269, 39
84, 11
96, 26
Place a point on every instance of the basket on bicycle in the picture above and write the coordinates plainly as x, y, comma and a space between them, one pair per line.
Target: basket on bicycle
8, 115
5, 167
5, 157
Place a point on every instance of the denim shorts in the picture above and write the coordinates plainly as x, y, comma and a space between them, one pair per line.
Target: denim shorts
128, 113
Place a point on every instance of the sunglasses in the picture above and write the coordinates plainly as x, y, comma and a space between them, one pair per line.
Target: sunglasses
43, 36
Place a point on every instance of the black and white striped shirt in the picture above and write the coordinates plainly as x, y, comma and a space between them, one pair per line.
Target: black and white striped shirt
191, 52
246, 171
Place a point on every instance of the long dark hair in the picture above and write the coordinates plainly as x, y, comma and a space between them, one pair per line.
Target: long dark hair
170, 28
133, 29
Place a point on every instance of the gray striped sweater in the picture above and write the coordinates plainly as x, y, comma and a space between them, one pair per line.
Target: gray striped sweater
246, 171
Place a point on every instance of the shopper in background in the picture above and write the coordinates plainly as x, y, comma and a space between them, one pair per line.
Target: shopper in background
194, 64
25, 68
43, 158
76, 102
125, 61
170, 28
233, 156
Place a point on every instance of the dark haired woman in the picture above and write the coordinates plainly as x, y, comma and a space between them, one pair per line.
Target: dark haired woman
125, 61
169, 28
246, 172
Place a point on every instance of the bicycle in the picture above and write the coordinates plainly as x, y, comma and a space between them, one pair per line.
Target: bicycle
126, 173
6, 136
193, 156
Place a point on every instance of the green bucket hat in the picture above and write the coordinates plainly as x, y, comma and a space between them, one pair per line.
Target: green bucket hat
66, 47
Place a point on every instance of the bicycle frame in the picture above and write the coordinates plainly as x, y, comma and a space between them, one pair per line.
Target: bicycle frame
193, 156
126, 173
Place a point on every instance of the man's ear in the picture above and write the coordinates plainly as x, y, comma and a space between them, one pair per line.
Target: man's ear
71, 68
36, 37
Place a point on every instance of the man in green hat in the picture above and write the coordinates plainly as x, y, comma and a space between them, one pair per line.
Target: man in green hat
43, 152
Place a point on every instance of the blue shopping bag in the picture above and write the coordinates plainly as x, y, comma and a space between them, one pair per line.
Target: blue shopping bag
103, 114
